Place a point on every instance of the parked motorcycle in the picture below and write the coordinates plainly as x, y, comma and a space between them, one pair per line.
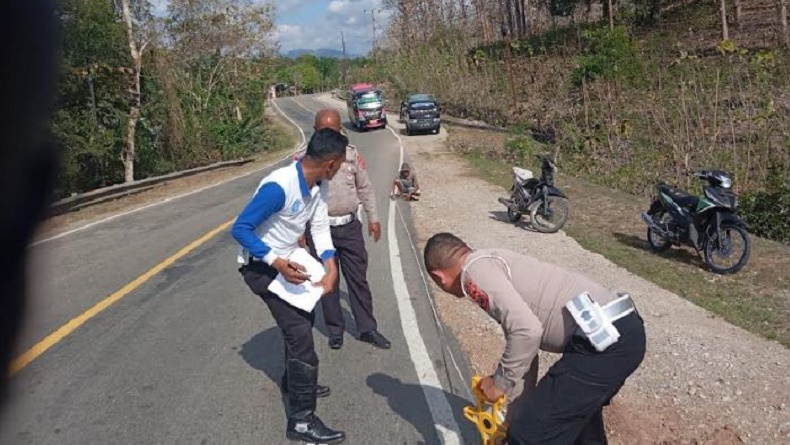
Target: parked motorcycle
546, 204
710, 224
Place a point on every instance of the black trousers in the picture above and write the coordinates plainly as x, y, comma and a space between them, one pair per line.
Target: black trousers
352, 257
566, 406
295, 324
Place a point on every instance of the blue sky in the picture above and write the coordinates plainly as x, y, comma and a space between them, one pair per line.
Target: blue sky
314, 24
317, 24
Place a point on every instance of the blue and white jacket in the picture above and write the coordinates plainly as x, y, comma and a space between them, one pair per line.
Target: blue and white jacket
270, 225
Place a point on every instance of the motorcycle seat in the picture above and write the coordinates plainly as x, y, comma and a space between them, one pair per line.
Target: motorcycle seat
522, 174
680, 197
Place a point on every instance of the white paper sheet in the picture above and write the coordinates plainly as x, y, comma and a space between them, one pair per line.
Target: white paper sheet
303, 296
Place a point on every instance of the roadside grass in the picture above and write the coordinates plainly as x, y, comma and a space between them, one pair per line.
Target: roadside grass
282, 134
282, 137
607, 222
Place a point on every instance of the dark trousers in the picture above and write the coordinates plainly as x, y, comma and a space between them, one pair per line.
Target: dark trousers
352, 257
566, 406
295, 324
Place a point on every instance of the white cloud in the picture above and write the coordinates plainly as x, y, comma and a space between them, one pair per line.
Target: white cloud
352, 17
337, 5
288, 30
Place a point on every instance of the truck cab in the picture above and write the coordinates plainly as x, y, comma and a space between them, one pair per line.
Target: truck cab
421, 112
367, 107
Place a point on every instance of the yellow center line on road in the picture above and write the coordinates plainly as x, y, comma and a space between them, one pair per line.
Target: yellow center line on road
52, 339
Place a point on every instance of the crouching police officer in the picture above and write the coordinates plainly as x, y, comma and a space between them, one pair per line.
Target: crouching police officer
545, 307
268, 230
346, 190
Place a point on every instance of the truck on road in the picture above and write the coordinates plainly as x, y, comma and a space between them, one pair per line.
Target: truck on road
421, 112
367, 107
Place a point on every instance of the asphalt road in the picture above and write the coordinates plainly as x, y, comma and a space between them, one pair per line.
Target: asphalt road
191, 356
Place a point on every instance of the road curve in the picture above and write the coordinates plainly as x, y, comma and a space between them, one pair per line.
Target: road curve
190, 356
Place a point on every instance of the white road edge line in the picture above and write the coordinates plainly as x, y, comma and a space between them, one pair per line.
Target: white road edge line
301, 132
442, 414
413, 245
440, 409
172, 198
416, 256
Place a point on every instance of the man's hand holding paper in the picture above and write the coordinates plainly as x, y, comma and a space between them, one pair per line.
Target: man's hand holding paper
302, 280
293, 272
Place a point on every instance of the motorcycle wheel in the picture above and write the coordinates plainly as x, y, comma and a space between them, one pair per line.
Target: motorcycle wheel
557, 210
657, 242
723, 249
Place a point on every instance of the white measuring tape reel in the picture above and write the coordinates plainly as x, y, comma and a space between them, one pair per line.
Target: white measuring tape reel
597, 322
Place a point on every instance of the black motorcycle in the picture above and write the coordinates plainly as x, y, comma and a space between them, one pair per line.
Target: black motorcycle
710, 224
546, 204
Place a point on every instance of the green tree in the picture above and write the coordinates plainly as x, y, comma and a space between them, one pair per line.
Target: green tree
91, 95
195, 92
329, 69
307, 76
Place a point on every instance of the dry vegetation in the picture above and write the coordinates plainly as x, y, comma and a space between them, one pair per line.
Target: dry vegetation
625, 99
606, 221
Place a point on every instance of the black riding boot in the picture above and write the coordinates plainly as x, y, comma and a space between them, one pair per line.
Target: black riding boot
303, 424
320, 390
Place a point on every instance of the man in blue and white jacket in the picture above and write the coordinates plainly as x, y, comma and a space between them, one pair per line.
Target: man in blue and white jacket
268, 230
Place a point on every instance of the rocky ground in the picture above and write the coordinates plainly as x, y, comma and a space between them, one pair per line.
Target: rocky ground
703, 380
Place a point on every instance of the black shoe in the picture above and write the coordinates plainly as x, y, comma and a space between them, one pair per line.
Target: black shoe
376, 339
336, 342
303, 424
320, 390
313, 431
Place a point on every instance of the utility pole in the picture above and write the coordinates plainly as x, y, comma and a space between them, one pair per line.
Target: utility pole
373, 26
344, 69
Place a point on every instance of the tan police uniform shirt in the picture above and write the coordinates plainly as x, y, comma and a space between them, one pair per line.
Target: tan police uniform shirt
350, 186
527, 297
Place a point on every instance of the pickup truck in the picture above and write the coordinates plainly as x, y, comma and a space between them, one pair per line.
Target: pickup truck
421, 112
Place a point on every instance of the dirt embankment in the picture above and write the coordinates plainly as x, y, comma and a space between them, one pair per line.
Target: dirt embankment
703, 380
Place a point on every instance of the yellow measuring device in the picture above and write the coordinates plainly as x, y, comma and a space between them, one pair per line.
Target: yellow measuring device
486, 416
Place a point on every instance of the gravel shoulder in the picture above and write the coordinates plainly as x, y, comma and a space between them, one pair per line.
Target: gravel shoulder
703, 380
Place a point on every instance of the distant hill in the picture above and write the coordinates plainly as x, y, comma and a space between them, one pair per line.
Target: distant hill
321, 52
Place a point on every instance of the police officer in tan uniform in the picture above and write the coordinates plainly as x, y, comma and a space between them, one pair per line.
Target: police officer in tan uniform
537, 305
346, 190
